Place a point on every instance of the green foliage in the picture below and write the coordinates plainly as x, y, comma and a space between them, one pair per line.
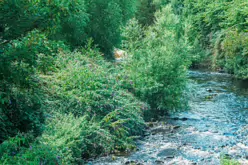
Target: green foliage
70, 21
15, 19
132, 34
232, 53
145, 12
79, 104
106, 20
31, 34
159, 63
177, 5
147, 8
21, 150
21, 114
88, 109
227, 161
20, 106
221, 27
84, 84
24, 52
76, 138
66, 19
13, 145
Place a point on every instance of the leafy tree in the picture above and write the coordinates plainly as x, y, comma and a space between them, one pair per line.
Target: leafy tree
106, 19
159, 62
217, 27
145, 12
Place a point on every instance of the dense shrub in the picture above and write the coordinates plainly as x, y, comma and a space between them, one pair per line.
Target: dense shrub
145, 12
159, 63
31, 34
146, 9
60, 20
87, 85
21, 114
21, 150
15, 22
106, 20
24, 52
20, 106
76, 138
82, 105
84, 84
88, 110
230, 52
220, 27
73, 22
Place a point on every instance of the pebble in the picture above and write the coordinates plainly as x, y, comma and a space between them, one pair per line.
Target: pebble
159, 162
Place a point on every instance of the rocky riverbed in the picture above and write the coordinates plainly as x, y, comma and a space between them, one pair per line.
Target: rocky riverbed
215, 125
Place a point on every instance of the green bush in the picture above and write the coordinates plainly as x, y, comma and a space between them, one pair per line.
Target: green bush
71, 140
20, 96
39, 75
16, 19
234, 53
84, 84
23, 149
21, 114
145, 12
76, 138
82, 105
15, 144
158, 64
66, 140
87, 85
220, 28
59, 20
73, 22
132, 35
68, 20
228, 161
106, 20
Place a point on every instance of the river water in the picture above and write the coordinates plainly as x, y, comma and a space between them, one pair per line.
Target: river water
215, 125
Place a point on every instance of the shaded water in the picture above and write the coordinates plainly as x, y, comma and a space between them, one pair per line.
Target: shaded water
214, 126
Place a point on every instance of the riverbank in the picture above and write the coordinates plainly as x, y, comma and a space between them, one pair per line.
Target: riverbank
214, 127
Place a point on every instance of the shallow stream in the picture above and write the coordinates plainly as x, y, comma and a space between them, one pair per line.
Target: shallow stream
215, 125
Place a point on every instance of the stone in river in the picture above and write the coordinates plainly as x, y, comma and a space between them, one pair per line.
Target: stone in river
168, 153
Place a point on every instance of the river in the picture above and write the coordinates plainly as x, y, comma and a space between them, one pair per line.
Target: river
215, 125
